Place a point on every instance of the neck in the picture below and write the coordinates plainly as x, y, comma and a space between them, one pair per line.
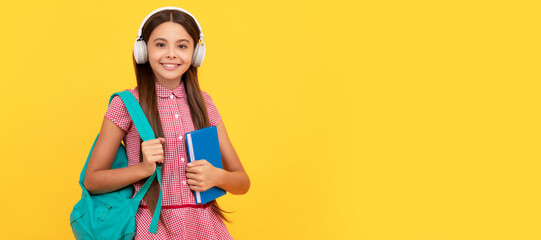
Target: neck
169, 84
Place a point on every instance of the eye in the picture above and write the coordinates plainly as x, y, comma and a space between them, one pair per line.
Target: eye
182, 46
160, 44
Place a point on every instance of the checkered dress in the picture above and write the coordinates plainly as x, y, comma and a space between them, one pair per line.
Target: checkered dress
184, 218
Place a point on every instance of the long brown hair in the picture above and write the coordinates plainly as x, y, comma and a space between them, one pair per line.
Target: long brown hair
148, 97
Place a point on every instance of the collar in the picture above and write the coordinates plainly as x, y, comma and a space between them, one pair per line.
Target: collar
164, 92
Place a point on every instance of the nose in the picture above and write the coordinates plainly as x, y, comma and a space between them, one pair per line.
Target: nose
171, 53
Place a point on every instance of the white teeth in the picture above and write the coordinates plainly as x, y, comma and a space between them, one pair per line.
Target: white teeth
170, 65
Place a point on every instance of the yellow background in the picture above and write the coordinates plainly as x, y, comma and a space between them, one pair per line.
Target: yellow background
354, 119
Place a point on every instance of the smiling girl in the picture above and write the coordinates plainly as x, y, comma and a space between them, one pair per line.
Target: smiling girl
169, 94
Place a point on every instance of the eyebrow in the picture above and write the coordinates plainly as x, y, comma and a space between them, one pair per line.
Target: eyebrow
163, 39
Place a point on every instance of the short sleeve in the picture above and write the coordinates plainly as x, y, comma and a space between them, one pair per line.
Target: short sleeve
214, 115
118, 113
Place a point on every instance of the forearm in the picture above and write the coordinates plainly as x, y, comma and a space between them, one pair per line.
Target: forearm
236, 182
108, 180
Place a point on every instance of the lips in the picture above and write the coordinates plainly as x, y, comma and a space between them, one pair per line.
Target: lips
170, 66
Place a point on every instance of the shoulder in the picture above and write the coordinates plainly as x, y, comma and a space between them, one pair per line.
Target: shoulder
135, 92
118, 113
212, 110
208, 100
206, 96
118, 101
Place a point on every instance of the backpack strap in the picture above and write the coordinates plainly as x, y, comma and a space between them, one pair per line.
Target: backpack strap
137, 115
145, 131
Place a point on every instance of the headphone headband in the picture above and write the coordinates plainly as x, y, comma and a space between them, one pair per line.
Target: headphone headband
140, 33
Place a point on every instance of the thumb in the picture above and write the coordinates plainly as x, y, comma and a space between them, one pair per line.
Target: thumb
162, 140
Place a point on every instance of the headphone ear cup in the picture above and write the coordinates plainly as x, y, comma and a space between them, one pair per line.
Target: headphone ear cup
140, 52
198, 55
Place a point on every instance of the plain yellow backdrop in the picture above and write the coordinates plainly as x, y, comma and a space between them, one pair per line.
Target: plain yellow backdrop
354, 119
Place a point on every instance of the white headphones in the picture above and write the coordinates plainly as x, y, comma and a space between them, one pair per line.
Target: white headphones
140, 47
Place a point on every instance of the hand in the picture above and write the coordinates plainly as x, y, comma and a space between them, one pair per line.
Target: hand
202, 175
152, 154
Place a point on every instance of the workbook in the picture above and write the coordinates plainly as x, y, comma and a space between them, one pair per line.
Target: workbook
204, 144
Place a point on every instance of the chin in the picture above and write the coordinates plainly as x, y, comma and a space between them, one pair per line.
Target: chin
172, 78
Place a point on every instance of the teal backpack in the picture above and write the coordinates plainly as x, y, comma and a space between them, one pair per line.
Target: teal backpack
112, 215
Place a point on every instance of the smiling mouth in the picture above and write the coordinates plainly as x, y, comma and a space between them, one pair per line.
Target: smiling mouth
169, 65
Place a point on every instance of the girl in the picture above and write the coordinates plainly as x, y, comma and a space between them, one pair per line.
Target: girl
169, 94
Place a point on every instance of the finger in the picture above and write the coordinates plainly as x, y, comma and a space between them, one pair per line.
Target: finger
192, 170
151, 142
152, 147
197, 188
154, 142
158, 151
156, 147
192, 182
191, 176
157, 156
158, 159
197, 163
201, 161
201, 188
151, 154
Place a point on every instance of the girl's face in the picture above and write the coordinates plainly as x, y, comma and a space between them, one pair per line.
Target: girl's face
170, 50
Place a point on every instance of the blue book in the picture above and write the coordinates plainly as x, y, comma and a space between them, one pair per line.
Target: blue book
203, 144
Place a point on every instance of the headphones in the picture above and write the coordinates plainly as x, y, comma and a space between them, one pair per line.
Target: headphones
140, 47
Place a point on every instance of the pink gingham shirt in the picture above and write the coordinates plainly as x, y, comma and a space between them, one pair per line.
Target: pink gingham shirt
183, 217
